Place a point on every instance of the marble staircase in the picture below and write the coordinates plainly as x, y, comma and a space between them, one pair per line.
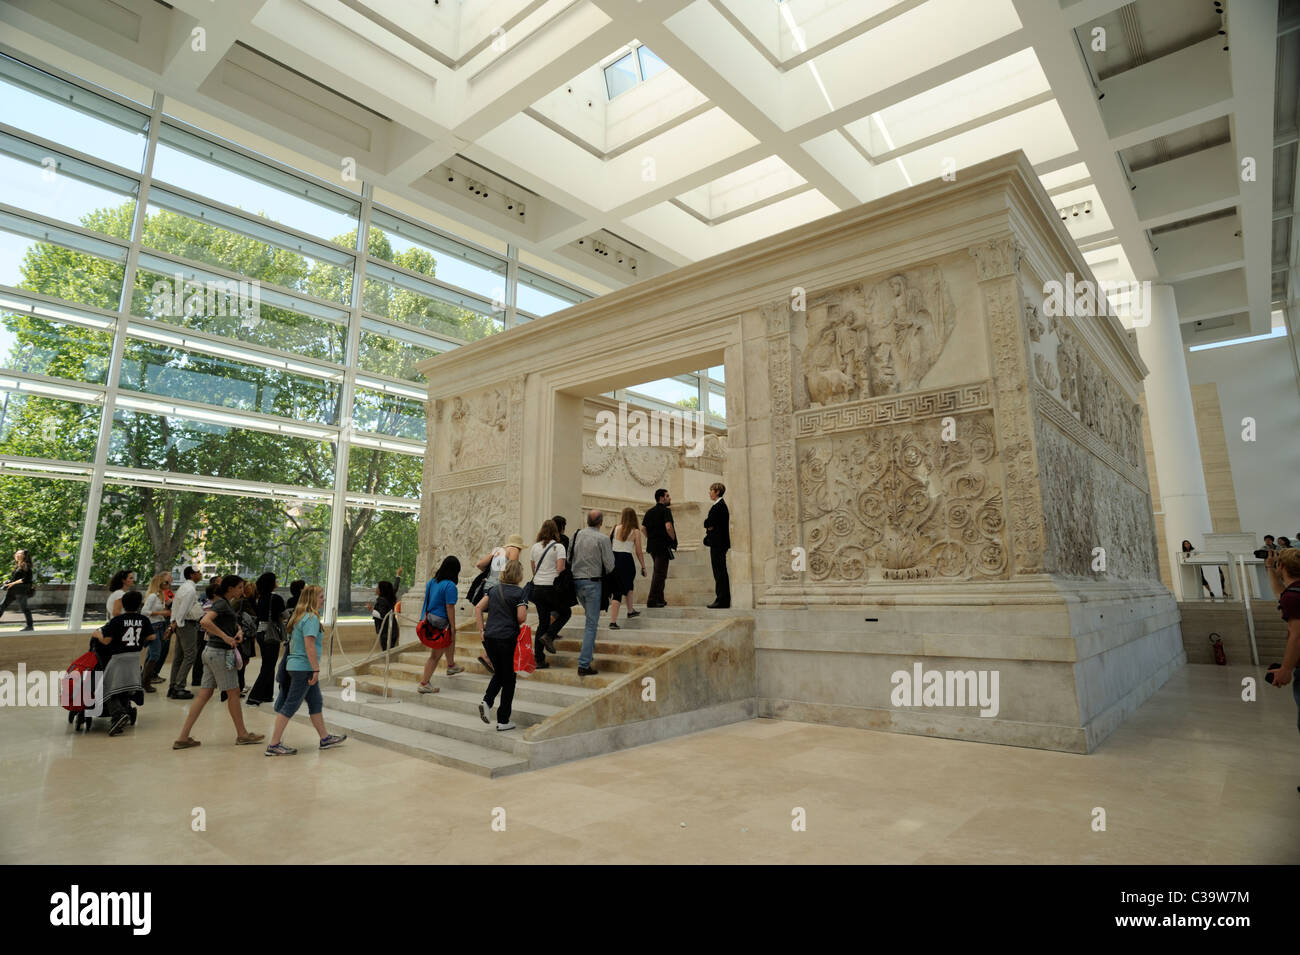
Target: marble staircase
445, 727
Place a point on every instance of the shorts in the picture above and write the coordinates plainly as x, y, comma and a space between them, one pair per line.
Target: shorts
216, 675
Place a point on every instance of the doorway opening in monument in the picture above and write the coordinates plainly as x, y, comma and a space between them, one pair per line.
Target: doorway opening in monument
677, 412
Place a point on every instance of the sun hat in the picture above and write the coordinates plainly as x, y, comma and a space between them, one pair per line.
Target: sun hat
515, 541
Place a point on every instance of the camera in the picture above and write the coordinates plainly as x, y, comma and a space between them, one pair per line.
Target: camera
1268, 677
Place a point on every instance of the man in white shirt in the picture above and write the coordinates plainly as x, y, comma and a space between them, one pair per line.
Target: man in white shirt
187, 609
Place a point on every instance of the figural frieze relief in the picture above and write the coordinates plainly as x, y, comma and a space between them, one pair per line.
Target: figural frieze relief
477, 426
871, 339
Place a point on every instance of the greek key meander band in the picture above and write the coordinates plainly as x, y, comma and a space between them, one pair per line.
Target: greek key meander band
492, 474
892, 409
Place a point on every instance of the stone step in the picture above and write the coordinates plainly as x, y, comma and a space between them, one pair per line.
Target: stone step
427, 719
463, 699
567, 677
612, 663
454, 753
534, 691
608, 643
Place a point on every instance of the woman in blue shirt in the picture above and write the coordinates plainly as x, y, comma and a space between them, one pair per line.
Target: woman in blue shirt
302, 667
439, 610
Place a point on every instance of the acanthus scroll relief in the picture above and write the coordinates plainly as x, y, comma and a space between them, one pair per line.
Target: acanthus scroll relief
900, 503
471, 520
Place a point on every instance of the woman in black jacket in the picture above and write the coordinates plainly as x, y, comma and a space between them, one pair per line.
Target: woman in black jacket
19, 587
269, 611
385, 603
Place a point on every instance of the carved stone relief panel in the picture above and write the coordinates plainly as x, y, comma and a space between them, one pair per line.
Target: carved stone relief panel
872, 338
1087, 505
469, 522
996, 261
899, 502
647, 467
476, 427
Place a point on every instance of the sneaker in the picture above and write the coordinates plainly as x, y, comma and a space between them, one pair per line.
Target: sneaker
181, 694
483, 711
452, 671
634, 613
502, 727
119, 725
615, 626
279, 749
332, 740
253, 702
148, 688
541, 665
425, 688
586, 671
483, 662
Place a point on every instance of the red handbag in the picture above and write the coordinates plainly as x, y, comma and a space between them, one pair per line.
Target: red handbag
431, 638
525, 662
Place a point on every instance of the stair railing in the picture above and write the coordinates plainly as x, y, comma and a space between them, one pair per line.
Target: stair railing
385, 629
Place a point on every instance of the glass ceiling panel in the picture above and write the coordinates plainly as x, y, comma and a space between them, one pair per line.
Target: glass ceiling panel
978, 93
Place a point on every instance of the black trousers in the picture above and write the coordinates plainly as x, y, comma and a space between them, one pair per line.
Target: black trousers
657, 579
502, 655
544, 598
721, 581
12, 596
264, 686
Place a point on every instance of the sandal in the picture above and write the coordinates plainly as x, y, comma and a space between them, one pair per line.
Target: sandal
185, 743
249, 738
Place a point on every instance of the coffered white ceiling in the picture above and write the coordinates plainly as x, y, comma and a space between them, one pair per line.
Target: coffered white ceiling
770, 114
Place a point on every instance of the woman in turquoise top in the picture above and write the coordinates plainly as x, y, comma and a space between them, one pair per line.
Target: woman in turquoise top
439, 611
302, 673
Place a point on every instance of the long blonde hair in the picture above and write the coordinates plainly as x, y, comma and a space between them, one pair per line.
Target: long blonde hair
157, 583
627, 523
307, 601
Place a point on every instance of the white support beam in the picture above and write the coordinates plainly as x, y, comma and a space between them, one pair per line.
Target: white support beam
1252, 31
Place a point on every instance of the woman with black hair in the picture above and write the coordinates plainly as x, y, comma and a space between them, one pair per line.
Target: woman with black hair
122, 581
439, 610
220, 625
1188, 549
19, 587
384, 604
269, 611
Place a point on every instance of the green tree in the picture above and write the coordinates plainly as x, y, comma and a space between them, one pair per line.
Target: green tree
145, 527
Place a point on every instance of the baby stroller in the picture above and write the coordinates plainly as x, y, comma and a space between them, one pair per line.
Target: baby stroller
115, 681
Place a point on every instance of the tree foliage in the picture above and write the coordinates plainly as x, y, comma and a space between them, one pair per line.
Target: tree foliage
151, 529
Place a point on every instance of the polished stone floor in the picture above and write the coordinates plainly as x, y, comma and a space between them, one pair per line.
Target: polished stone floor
1197, 776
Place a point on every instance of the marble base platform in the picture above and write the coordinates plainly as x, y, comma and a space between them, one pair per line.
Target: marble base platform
1073, 659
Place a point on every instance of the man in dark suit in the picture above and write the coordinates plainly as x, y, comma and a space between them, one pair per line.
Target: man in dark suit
660, 541
717, 535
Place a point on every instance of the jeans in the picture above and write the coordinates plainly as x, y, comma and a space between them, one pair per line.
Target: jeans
589, 597
544, 598
13, 596
155, 651
721, 580
186, 653
264, 687
291, 696
502, 655
658, 578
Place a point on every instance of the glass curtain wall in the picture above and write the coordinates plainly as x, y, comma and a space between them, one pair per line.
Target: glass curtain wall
208, 358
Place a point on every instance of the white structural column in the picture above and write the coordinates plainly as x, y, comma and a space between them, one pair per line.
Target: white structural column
1183, 497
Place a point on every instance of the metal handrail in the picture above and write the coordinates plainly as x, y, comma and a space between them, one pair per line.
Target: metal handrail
384, 630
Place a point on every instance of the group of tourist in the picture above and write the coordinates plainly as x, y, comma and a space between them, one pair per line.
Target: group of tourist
594, 570
218, 631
